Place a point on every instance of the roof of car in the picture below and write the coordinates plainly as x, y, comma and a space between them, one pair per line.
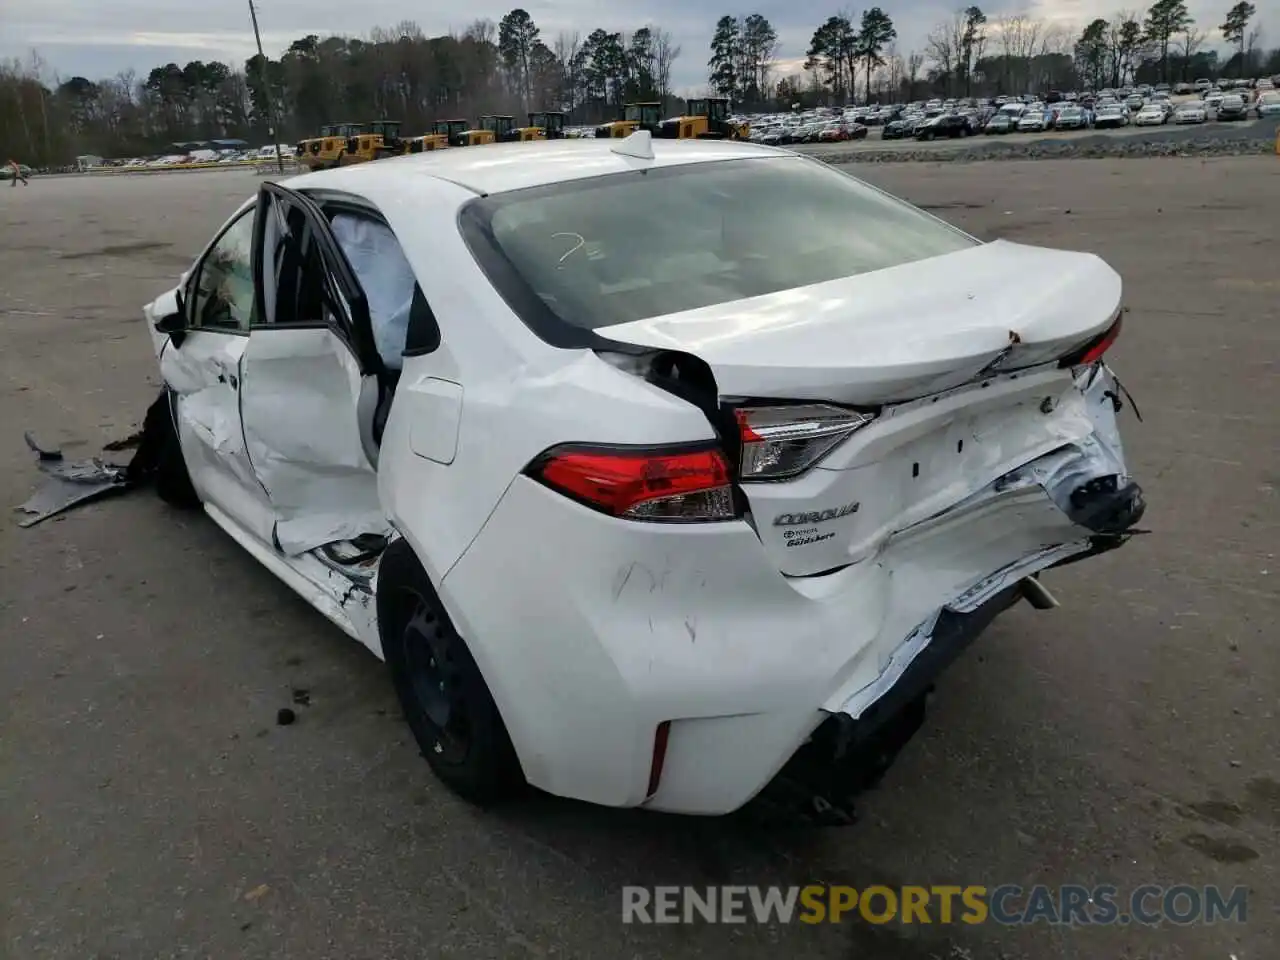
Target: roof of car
499, 167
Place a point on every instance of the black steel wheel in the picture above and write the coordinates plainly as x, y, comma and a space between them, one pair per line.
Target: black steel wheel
445, 699
434, 673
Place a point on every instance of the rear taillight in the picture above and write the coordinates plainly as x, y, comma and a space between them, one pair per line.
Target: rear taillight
674, 484
1095, 348
782, 441
660, 738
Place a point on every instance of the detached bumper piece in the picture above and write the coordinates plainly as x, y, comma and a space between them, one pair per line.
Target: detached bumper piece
844, 756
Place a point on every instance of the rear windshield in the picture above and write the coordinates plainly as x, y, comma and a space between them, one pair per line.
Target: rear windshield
630, 246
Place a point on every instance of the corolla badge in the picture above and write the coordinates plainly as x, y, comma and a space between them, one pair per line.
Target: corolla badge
815, 516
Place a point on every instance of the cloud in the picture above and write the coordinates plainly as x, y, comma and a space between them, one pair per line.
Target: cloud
96, 38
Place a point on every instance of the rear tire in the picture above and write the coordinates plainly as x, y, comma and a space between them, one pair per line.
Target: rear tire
445, 699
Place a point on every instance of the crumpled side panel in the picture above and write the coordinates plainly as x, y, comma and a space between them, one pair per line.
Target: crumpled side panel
1098, 455
299, 398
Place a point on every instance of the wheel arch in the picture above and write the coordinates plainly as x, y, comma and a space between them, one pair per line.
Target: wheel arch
402, 560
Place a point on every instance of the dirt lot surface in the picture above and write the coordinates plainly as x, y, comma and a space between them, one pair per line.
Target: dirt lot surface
151, 807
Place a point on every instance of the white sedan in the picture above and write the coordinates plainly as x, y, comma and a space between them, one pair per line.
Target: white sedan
1152, 115
1190, 112
1268, 104
647, 466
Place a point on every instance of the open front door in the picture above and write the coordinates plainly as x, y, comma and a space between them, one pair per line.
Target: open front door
311, 380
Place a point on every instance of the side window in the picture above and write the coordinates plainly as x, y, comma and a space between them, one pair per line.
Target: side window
389, 284
222, 297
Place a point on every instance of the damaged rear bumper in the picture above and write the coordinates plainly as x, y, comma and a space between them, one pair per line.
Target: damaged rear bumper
848, 753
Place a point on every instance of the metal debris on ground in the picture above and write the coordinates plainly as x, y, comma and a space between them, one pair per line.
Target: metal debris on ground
69, 483
72, 483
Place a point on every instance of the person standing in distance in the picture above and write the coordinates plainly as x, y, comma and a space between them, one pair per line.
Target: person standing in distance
18, 174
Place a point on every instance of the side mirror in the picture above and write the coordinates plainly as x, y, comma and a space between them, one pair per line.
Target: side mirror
174, 324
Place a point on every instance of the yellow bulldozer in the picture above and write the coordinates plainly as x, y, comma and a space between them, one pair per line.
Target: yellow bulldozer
460, 133
504, 129
426, 142
635, 116
550, 122
342, 144
543, 125
328, 149
705, 118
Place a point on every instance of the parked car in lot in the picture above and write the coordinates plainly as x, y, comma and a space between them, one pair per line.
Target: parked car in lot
946, 125
837, 132
1110, 115
1152, 115
642, 494
1001, 123
1190, 112
1071, 118
1031, 121
1268, 104
896, 130
1232, 107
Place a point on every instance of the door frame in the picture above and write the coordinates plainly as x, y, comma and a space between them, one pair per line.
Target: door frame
305, 287
350, 313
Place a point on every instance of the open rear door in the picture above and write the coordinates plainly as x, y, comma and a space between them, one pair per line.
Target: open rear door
311, 380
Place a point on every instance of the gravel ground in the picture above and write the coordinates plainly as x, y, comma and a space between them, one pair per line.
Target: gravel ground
150, 806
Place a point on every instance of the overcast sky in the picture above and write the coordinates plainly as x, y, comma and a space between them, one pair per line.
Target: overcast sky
97, 38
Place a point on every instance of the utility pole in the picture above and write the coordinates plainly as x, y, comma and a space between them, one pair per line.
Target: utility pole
266, 86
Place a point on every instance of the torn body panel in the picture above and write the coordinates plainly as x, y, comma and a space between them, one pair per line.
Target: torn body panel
346, 601
69, 483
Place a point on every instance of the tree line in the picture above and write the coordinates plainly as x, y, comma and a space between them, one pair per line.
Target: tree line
398, 73
511, 67
972, 54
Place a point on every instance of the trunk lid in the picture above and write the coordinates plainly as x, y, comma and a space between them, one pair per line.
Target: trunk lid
896, 334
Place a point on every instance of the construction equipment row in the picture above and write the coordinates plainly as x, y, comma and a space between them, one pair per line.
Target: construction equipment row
341, 144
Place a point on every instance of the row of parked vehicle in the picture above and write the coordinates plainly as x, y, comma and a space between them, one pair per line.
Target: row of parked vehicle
1109, 110
1140, 105
196, 158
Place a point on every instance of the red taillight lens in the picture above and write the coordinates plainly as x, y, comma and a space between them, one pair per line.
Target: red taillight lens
1094, 350
642, 484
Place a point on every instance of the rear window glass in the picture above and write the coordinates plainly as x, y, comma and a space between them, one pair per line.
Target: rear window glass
632, 246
